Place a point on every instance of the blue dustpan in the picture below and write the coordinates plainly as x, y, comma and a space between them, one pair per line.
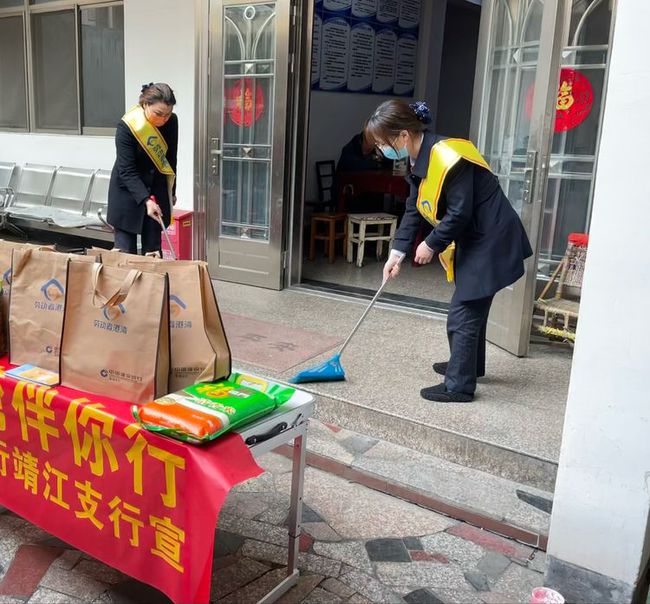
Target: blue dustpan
329, 371
332, 370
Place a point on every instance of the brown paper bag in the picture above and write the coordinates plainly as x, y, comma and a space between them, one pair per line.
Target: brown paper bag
116, 332
6, 249
117, 258
38, 282
199, 347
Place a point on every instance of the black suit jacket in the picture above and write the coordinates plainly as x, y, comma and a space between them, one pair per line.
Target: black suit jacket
491, 242
352, 158
135, 177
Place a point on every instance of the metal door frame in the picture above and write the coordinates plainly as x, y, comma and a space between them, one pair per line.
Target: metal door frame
301, 93
514, 305
201, 80
209, 105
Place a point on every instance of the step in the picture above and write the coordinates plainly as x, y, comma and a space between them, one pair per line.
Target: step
426, 437
430, 439
479, 498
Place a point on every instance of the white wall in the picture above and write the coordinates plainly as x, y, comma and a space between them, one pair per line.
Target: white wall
173, 62
600, 513
58, 149
334, 118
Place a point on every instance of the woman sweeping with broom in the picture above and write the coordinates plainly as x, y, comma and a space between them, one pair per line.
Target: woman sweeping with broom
477, 235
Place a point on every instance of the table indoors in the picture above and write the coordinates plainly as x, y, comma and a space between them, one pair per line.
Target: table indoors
352, 184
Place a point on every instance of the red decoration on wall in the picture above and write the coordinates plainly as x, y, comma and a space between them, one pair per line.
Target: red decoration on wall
575, 98
239, 103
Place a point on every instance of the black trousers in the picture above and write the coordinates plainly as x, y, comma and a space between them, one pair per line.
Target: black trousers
150, 238
466, 326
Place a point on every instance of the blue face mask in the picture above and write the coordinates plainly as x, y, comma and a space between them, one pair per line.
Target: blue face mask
390, 153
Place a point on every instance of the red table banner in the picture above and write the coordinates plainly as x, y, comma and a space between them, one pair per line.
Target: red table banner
79, 467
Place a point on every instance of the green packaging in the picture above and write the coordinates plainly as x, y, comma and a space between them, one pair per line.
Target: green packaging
202, 412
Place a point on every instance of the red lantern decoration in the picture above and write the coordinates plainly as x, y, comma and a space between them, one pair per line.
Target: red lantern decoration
575, 98
239, 102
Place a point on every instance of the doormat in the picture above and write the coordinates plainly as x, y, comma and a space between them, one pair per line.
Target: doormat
272, 346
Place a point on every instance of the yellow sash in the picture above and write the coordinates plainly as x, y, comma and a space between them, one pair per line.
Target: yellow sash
444, 156
153, 143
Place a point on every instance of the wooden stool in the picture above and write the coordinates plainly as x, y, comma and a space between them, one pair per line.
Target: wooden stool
379, 220
330, 235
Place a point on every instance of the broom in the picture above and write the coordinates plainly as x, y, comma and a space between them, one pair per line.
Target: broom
332, 370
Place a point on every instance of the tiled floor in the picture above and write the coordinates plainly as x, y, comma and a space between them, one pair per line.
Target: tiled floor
274, 347
358, 546
427, 282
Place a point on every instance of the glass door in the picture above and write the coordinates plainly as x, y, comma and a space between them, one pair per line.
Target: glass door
576, 135
248, 78
512, 120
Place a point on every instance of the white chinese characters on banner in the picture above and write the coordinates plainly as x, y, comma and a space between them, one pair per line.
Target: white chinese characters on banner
367, 46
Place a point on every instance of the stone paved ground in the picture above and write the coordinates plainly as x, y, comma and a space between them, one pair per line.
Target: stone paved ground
358, 546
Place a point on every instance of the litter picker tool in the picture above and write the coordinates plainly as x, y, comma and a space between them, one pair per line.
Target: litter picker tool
169, 242
332, 370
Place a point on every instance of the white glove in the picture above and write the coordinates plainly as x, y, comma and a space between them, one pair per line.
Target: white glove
391, 268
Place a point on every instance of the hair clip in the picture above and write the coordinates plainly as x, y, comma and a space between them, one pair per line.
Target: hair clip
145, 86
421, 111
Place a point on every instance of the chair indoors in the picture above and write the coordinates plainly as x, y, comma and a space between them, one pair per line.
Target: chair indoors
327, 224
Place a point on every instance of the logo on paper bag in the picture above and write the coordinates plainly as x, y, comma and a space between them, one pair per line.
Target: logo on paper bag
111, 314
53, 290
53, 294
6, 278
176, 308
113, 375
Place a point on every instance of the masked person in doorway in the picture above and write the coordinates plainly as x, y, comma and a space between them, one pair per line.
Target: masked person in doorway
477, 234
360, 155
142, 187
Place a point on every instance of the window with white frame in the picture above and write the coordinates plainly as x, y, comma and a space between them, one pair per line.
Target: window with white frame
61, 65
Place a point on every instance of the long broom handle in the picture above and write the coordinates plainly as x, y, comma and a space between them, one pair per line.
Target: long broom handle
365, 312
169, 243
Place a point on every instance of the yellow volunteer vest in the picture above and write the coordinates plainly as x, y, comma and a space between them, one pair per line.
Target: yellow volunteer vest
444, 156
153, 143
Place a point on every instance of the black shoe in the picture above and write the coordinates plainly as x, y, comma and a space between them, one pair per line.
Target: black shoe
441, 369
440, 394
